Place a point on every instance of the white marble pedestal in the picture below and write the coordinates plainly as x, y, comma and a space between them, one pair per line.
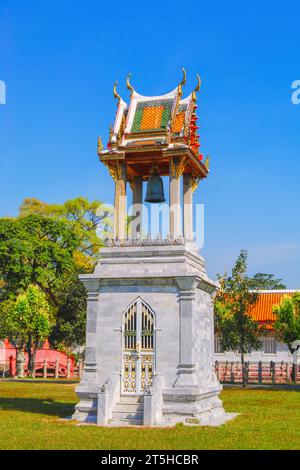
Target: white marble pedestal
168, 276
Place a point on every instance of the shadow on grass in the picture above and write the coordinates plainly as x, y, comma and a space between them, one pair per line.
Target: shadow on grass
265, 387
37, 405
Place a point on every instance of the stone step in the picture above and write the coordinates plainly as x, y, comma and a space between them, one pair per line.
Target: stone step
131, 399
131, 407
120, 415
125, 422
86, 409
128, 411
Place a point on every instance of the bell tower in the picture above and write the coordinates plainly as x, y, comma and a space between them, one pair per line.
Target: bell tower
150, 333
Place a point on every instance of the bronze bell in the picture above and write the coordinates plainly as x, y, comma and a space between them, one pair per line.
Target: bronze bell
155, 187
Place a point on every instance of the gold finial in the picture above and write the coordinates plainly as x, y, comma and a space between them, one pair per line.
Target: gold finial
207, 162
183, 82
116, 94
197, 88
100, 145
128, 84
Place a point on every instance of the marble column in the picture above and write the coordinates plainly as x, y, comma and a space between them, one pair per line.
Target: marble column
187, 207
174, 196
89, 381
88, 387
90, 365
137, 203
187, 304
120, 229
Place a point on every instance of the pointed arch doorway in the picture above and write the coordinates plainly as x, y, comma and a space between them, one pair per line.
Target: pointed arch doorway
138, 348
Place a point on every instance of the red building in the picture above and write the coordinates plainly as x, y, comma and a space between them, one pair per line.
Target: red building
56, 363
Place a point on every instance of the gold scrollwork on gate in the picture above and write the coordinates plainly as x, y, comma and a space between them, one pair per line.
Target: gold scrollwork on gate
146, 371
129, 374
138, 348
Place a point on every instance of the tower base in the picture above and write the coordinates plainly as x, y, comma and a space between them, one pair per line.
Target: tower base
150, 337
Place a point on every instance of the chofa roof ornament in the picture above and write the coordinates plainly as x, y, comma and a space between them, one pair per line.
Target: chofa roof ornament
194, 97
182, 83
116, 94
128, 84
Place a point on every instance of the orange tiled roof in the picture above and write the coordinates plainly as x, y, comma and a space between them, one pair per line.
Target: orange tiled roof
178, 123
262, 311
152, 117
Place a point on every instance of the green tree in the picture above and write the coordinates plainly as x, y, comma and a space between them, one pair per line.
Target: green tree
237, 330
90, 221
26, 322
49, 245
70, 325
35, 250
287, 324
265, 281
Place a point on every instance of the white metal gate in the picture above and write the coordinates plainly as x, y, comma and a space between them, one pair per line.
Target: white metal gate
138, 348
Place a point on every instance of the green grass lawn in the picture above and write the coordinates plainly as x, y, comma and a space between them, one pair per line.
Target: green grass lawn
30, 413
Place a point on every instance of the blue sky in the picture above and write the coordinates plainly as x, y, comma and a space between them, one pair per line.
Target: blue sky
59, 61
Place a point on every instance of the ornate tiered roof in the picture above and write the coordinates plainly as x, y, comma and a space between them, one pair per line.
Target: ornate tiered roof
156, 128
